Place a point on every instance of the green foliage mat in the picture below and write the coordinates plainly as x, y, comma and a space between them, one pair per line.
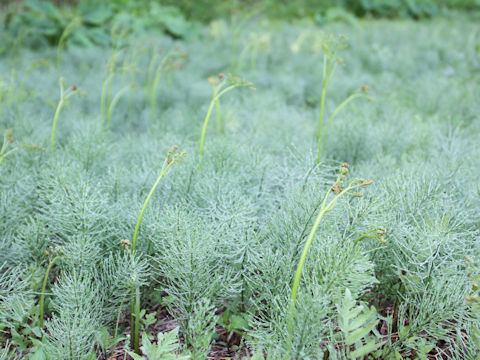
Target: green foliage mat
216, 246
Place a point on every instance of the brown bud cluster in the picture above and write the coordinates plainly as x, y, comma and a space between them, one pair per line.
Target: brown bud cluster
365, 89
336, 189
125, 243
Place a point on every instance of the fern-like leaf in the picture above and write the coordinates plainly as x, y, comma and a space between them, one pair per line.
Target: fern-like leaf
356, 322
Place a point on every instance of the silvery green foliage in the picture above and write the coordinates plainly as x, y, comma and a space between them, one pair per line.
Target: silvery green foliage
4, 352
194, 272
119, 274
16, 296
335, 263
77, 313
200, 329
230, 234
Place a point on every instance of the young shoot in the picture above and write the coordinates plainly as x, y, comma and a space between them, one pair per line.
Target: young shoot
168, 63
330, 46
64, 96
172, 158
72, 27
117, 36
238, 23
221, 86
114, 102
327, 205
7, 140
44, 286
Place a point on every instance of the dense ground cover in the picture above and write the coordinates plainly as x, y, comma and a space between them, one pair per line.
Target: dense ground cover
392, 274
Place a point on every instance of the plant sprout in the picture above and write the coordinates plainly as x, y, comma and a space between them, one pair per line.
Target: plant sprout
330, 46
114, 102
8, 139
166, 64
44, 286
222, 85
64, 96
326, 206
172, 158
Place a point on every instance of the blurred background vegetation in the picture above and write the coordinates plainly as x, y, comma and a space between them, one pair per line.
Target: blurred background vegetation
37, 23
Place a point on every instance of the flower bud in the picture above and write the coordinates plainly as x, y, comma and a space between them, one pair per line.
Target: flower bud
336, 189
125, 243
365, 88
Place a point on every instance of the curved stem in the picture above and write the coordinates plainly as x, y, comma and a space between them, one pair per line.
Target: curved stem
204, 128
103, 100
218, 115
216, 97
137, 319
132, 319
44, 285
147, 200
325, 208
153, 89
114, 102
54, 125
322, 109
341, 106
135, 297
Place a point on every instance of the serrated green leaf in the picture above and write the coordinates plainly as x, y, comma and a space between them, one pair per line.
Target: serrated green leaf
359, 334
361, 319
38, 355
366, 349
237, 322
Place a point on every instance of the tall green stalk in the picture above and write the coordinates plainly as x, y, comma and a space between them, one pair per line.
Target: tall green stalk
161, 68
114, 102
220, 88
7, 139
135, 300
44, 286
326, 206
330, 46
64, 95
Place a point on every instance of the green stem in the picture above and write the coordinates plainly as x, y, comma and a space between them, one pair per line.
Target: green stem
137, 320
114, 102
341, 106
322, 109
153, 88
42, 296
132, 319
118, 316
57, 114
4, 145
218, 115
54, 126
324, 208
135, 302
165, 168
209, 114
